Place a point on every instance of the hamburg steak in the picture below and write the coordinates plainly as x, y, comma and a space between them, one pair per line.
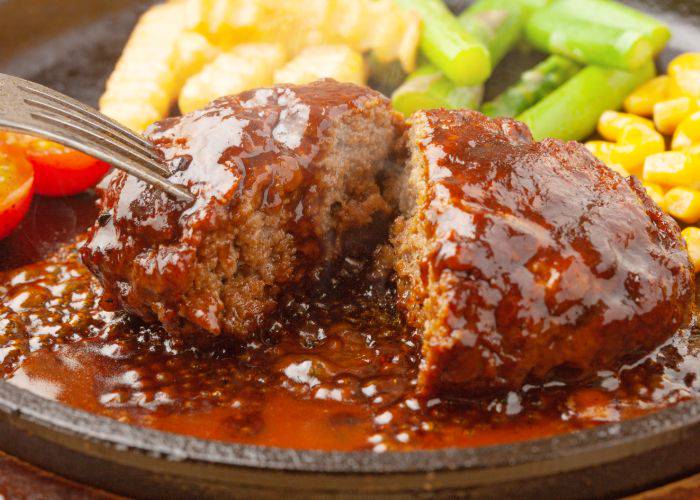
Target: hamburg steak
515, 260
519, 260
279, 175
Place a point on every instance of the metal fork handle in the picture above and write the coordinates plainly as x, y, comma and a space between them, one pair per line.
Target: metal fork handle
19, 113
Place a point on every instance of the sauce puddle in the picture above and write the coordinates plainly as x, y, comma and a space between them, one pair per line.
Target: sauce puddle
333, 373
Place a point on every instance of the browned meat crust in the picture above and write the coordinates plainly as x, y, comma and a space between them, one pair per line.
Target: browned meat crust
280, 175
520, 259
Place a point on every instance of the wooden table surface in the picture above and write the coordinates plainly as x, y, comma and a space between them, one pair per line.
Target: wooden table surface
685, 489
20, 481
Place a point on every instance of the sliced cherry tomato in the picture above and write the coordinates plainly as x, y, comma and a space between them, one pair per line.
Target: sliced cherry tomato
16, 187
61, 171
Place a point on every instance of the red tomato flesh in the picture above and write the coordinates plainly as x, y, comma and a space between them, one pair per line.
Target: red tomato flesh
61, 171
16, 188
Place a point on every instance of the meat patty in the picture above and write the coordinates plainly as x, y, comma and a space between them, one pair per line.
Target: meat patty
521, 260
280, 175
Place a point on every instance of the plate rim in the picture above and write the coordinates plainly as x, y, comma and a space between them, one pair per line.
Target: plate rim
568, 451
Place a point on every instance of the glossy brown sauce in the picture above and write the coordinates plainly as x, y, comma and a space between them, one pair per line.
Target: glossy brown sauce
336, 372
543, 259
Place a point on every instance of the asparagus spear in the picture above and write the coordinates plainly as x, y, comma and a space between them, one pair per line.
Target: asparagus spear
612, 13
600, 32
571, 112
444, 41
498, 23
532, 87
561, 30
530, 6
427, 88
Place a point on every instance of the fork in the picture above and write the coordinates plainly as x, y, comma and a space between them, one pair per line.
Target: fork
33, 109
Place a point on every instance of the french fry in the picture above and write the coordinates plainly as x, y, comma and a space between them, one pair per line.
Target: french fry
347, 19
379, 26
231, 22
159, 56
324, 61
408, 47
296, 24
142, 86
134, 115
192, 52
224, 22
390, 32
365, 25
195, 49
244, 67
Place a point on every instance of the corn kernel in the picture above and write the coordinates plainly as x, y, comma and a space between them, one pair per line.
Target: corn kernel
619, 169
668, 114
693, 153
687, 133
642, 101
656, 193
683, 203
672, 168
636, 138
605, 151
611, 124
628, 156
675, 91
684, 71
691, 235
689, 61
635, 144
600, 149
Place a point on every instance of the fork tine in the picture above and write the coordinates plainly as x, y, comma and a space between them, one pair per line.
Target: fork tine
143, 149
105, 141
49, 120
116, 158
82, 108
149, 152
90, 114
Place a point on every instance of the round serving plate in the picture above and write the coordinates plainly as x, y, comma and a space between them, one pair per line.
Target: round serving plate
72, 46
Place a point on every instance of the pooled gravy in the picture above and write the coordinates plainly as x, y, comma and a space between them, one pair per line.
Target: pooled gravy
336, 372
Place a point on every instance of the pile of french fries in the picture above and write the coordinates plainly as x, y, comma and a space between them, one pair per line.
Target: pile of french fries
194, 51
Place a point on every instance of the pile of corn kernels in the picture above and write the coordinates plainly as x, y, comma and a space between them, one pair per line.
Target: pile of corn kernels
658, 140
